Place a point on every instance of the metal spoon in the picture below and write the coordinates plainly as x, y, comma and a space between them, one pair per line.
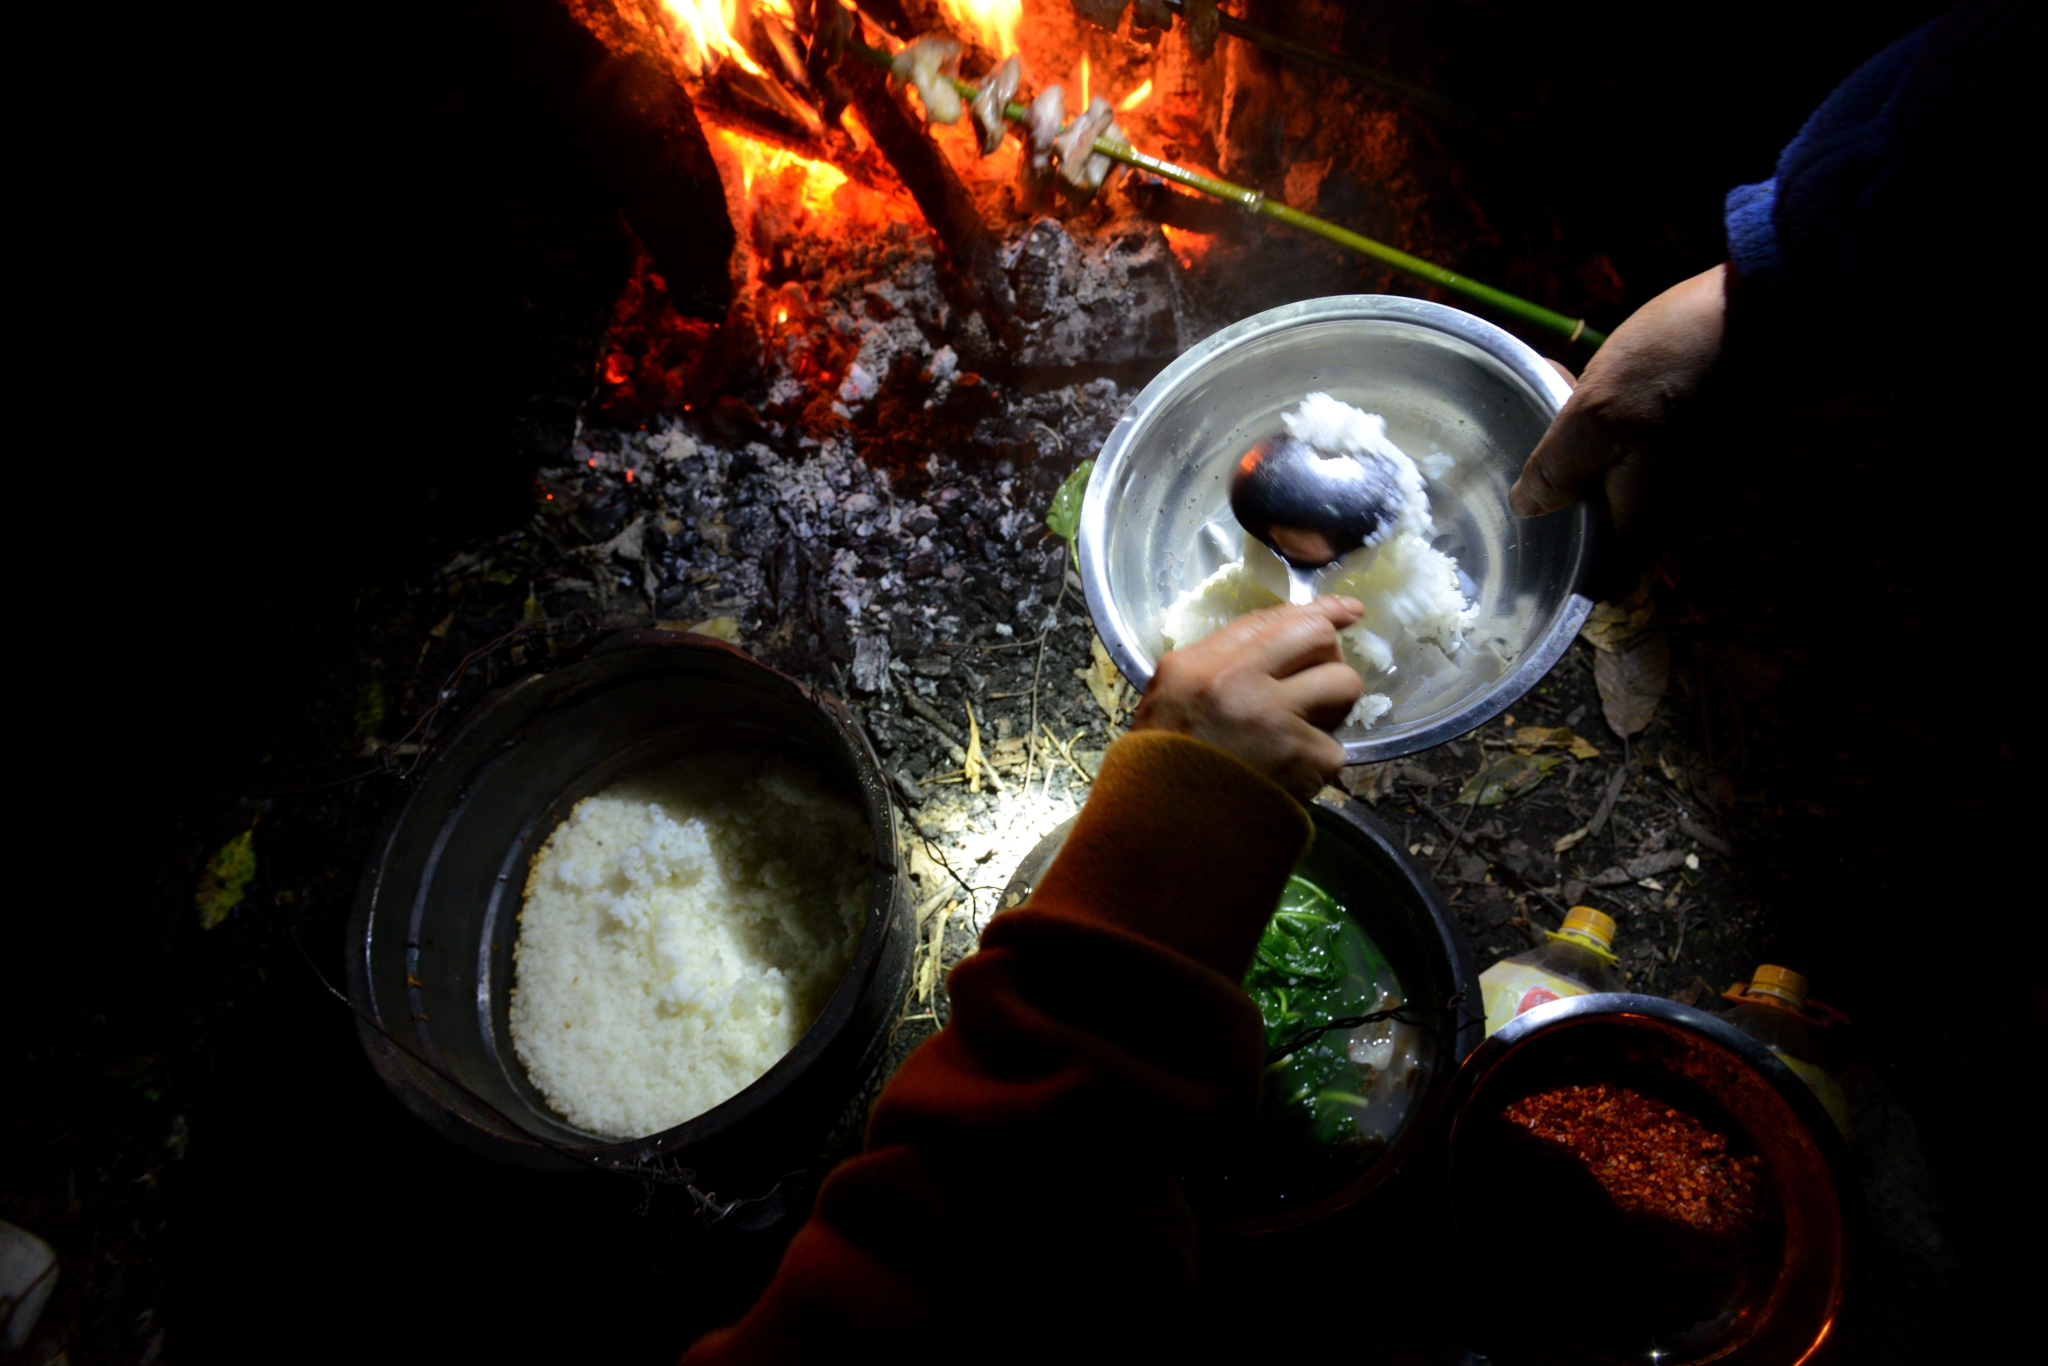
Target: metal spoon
1310, 507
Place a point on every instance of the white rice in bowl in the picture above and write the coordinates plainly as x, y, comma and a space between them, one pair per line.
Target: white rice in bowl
1414, 605
681, 930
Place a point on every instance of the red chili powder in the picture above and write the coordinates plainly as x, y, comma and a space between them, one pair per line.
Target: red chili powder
1649, 1158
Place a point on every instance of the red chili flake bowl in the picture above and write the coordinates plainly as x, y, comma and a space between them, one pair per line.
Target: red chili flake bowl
1637, 1181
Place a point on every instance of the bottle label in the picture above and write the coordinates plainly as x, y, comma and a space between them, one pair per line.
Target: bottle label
1824, 1087
1511, 988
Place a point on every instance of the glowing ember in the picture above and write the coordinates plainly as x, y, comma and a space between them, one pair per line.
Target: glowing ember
993, 21
756, 159
1188, 247
1137, 97
855, 129
1084, 85
709, 24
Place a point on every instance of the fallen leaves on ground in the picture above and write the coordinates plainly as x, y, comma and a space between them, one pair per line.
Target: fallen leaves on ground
1507, 778
1529, 739
972, 763
718, 628
1370, 782
1105, 684
928, 971
226, 879
1633, 665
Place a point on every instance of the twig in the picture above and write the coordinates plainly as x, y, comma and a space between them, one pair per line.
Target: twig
1052, 620
931, 716
1460, 835
1607, 800
1404, 1013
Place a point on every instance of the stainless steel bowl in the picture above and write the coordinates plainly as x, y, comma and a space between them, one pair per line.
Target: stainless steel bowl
1786, 1304
1156, 520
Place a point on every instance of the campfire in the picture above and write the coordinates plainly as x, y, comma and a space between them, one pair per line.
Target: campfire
846, 467
839, 136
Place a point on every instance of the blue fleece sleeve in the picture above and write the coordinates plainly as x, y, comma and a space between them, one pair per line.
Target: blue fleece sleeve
1752, 233
1920, 144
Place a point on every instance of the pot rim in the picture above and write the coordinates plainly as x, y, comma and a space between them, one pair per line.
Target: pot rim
418, 1081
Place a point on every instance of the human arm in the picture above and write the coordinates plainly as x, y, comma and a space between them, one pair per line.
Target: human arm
1017, 1189
1823, 297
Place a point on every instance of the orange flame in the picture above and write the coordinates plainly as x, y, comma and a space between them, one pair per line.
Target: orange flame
757, 159
1188, 247
993, 21
709, 24
1137, 97
1084, 82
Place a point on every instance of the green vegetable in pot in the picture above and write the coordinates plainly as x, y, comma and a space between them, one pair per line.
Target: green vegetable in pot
1313, 965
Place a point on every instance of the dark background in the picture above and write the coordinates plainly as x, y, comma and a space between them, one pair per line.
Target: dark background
311, 292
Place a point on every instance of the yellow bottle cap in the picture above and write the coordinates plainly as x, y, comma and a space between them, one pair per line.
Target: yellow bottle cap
1780, 984
1585, 922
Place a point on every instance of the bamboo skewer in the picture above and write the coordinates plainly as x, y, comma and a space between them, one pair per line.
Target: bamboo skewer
1259, 204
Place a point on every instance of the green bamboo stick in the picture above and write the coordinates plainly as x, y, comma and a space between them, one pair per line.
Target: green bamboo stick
1258, 203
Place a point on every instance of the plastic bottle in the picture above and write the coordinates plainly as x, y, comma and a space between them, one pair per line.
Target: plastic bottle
1578, 959
1771, 1007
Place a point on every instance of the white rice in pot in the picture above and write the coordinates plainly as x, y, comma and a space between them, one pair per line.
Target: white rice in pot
680, 932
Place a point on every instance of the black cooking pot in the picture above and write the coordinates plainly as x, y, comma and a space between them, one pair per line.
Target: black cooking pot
1360, 863
431, 936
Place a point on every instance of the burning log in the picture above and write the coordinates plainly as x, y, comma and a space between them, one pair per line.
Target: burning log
932, 182
1252, 201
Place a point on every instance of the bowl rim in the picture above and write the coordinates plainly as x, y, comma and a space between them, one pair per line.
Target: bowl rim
1635, 1009
444, 1104
1522, 361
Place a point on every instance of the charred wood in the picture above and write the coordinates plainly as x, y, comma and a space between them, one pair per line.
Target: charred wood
936, 186
645, 132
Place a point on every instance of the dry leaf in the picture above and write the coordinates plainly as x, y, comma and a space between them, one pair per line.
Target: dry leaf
718, 628
226, 879
1506, 778
1529, 739
1613, 625
928, 971
1651, 865
972, 763
1105, 684
1370, 782
1633, 681
1565, 842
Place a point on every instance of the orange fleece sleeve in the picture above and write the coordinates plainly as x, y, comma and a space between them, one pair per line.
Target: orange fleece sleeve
1017, 1196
